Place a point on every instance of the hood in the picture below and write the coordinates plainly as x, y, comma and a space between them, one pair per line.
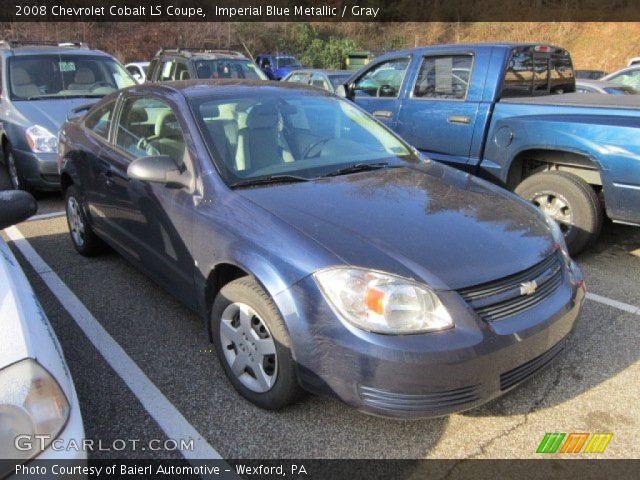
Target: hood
50, 113
448, 228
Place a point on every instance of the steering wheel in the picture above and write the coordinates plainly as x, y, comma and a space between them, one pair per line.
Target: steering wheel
315, 145
385, 91
142, 144
99, 84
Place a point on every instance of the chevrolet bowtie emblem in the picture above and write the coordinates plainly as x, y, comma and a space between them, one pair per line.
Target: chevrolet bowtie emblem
528, 288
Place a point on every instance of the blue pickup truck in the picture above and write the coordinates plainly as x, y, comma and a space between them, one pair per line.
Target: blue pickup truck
508, 113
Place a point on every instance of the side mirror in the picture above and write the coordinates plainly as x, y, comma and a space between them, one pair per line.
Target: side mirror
346, 91
16, 206
158, 169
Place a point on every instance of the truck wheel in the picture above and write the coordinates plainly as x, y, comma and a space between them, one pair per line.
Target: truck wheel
15, 177
570, 201
253, 344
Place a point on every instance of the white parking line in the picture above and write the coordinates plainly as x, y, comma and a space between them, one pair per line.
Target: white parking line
172, 422
44, 216
625, 307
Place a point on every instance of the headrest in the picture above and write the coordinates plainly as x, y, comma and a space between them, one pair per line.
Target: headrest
137, 115
184, 75
262, 116
19, 77
167, 125
84, 76
209, 110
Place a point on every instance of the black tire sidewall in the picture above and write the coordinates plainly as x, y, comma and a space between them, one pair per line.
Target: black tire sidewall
92, 244
247, 290
23, 185
585, 207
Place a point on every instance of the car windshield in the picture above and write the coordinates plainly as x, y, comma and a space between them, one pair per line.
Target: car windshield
287, 62
338, 79
621, 90
289, 133
228, 68
35, 77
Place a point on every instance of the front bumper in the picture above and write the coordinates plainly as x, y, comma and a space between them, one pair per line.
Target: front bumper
427, 375
40, 170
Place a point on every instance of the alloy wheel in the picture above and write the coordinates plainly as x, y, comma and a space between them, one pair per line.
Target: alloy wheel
76, 223
557, 207
249, 348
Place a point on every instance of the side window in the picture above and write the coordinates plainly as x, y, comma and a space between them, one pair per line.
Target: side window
299, 78
181, 72
99, 121
148, 126
518, 78
264, 62
444, 77
383, 80
166, 71
318, 80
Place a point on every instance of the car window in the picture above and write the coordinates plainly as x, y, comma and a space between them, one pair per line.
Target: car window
283, 132
287, 62
181, 72
383, 80
629, 77
68, 75
299, 78
166, 71
339, 79
99, 121
444, 77
148, 126
319, 80
228, 68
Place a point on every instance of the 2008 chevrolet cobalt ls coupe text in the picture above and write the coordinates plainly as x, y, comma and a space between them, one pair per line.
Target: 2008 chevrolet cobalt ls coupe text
323, 252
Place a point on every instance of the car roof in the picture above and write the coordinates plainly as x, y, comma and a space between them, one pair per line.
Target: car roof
326, 71
18, 48
201, 53
462, 46
201, 87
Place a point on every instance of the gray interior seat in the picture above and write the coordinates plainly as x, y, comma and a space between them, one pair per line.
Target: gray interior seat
83, 79
168, 139
22, 85
259, 142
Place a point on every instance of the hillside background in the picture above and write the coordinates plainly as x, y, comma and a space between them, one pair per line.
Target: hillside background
602, 46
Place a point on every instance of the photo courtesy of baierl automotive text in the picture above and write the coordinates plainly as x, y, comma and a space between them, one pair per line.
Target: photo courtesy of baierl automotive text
319, 239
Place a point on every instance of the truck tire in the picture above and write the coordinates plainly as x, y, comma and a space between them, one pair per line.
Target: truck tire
570, 201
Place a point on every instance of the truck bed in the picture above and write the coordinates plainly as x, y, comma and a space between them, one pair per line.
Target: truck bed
580, 100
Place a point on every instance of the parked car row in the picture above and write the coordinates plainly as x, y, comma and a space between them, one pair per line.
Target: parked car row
408, 288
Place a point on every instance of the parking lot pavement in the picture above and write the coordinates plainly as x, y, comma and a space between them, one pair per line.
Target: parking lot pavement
592, 387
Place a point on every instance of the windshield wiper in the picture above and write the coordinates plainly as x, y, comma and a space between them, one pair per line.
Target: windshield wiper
358, 167
268, 180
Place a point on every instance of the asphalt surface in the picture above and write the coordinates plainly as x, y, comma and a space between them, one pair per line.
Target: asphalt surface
593, 386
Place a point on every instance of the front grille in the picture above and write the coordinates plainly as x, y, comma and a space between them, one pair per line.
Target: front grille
503, 298
524, 371
417, 401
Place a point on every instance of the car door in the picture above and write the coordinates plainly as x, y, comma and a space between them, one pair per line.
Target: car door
438, 116
151, 221
378, 89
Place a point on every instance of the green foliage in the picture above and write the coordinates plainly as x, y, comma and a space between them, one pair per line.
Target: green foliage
315, 51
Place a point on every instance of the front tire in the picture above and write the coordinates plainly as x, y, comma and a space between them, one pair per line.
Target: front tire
16, 178
253, 345
570, 201
85, 241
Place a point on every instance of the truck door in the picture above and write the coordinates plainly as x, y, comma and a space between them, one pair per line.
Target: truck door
378, 89
439, 112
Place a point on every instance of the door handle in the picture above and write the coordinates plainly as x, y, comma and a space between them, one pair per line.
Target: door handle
382, 114
463, 119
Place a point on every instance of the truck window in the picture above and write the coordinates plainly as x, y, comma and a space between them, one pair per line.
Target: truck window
538, 70
444, 77
383, 80
181, 72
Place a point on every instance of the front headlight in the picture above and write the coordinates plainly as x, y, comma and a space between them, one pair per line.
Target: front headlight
382, 303
31, 403
41, 140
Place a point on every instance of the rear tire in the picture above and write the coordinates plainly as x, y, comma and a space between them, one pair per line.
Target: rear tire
570, 201
85, 241
253, 345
